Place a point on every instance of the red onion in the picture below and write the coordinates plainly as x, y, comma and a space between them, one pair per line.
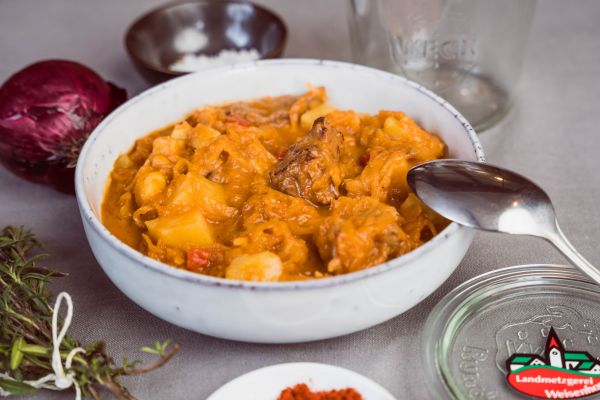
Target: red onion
47, 110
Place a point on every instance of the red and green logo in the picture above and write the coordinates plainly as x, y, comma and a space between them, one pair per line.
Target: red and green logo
558, 374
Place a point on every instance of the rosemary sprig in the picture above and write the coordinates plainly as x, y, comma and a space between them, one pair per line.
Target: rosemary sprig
26, 329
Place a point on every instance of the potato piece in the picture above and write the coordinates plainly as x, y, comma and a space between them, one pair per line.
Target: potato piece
161, 163
194, 190
168, 146
308, 118
203, 135
124, 161
181, 231
181, 131
148, 186
396, 129
161, 145
261, 267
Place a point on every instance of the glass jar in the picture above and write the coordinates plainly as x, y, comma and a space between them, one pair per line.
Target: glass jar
468, 51
475, 330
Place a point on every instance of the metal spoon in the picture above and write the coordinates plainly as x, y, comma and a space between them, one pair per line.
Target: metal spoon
489, 198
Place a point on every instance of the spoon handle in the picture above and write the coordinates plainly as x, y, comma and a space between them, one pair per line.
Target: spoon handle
559, 240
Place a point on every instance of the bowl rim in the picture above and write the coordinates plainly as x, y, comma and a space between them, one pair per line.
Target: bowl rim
128, 39
207, 280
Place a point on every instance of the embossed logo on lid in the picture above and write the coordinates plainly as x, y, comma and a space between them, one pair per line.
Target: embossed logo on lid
557, 373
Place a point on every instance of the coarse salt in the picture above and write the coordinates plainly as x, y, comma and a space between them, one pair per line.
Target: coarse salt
190, 40
197, 62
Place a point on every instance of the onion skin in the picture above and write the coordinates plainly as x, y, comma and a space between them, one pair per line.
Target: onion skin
47, 110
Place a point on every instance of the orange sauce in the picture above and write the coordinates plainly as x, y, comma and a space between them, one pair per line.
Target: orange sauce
274, 189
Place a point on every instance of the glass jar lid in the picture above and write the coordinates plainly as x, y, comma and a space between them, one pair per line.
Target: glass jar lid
483, 328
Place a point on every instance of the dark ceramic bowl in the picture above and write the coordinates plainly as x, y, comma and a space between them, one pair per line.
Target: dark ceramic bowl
226, 24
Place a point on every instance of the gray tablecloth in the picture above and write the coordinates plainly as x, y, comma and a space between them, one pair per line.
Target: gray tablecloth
552, 135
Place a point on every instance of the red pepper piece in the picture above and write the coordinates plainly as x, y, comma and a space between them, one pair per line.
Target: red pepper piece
281, 153
198, 259
238, 120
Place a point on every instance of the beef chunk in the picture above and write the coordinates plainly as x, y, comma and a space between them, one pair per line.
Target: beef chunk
311, 167
359, 233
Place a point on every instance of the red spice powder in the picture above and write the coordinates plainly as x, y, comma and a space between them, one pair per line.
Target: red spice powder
302, 392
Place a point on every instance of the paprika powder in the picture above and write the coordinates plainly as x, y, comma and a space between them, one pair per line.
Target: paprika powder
301, 391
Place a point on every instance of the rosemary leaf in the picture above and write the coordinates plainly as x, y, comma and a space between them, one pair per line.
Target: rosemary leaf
17, 388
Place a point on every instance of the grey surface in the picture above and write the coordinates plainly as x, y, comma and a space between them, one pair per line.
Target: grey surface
552, 135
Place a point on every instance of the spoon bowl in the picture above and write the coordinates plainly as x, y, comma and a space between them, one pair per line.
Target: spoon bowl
490, 198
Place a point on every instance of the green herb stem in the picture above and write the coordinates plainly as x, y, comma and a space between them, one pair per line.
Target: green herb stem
26, 329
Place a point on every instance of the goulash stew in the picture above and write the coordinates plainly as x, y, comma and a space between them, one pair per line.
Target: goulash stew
274, 189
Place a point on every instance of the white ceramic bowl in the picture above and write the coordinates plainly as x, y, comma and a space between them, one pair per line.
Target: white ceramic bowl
271, 312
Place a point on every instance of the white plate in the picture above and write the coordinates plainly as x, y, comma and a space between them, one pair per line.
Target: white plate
268, 383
